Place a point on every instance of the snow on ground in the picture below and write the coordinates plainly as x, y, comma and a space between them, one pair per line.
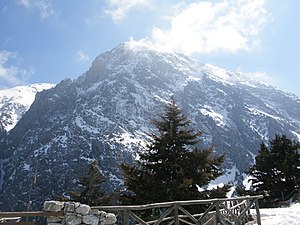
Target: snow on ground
280, 216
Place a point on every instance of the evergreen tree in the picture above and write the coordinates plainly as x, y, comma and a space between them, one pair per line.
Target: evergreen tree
92, 193
277, 168
171, 167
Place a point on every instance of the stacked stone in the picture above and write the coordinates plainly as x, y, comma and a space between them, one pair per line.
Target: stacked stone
76, 213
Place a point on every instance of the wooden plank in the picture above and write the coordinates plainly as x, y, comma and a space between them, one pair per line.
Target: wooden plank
227, 221
210, 220
218, 212
176, 215
167, 212
233, 207
30, 214
200, 220
168, 204
136, 218
188, 214
186, 222
257, 212
243, 213
7, 219
126, 217
228, 211
18, 223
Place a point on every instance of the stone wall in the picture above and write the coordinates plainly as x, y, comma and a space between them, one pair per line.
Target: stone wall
75, 213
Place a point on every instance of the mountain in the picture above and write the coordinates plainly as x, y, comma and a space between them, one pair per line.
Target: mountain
105, 114
16, 101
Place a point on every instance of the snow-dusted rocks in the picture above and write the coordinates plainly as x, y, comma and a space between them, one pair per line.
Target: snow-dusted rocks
91, 219
105, 114
53, 206
76, 213
82, 209
108, 219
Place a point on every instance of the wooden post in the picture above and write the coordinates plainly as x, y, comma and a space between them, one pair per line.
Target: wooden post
126, 217
176, 217
218, 212
257, 212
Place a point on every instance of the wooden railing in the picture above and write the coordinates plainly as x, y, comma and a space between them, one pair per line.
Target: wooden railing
22, 218
214, 211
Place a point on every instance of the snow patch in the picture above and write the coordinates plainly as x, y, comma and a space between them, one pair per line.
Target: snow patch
115, 179
258, 112
129, 140
227, 177
80, 122
247, 182
232, 78
14, 102
27, 167
297, 135
87, 159
220, 119
42, 151
280, 216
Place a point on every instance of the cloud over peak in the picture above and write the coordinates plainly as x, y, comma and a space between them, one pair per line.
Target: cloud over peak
82, 56
12, 75
206, 27
118, 9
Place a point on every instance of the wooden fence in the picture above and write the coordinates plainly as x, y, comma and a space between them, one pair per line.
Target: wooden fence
22, 218
214, 211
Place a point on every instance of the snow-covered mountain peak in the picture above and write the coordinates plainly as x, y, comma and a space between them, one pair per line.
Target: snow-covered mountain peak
146, 51
141, 45
14, 102
106, 113
140, 63
141, 55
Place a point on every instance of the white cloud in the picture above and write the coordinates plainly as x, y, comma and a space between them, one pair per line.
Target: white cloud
82, 57
118, 9
25, 3
11, 74
205, 27
44, 7
257, 76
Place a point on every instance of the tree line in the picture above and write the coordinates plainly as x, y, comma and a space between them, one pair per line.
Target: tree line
276, 172
172, 168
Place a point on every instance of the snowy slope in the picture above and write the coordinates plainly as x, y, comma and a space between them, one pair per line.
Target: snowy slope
105, 114
16, 101
280, 216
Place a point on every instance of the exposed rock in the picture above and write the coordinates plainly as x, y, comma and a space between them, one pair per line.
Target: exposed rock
83, 214
83, 209
108, 218
53, 219
90, 219
53, 206
95, 212
73, 219
70, 207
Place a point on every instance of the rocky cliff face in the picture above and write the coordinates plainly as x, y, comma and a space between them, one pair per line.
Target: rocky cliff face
105, 114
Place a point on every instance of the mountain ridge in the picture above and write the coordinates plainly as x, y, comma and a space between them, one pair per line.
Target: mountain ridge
105, 114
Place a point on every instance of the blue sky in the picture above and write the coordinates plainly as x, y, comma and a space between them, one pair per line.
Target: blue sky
49, 40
